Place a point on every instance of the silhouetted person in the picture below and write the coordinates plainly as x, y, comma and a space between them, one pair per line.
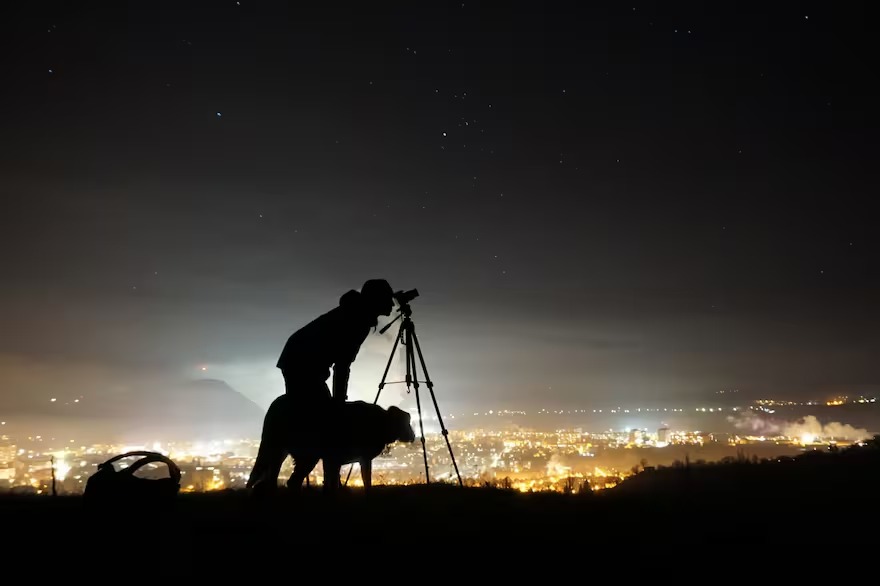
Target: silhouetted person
326, 346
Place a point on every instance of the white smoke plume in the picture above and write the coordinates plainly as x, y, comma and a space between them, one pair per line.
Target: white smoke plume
811, 426
807, 427
556, 466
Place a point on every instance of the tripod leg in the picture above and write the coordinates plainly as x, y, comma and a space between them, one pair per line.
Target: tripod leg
410, 370
388, 365
434, 399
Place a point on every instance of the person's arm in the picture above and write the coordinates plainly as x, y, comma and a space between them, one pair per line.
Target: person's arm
342, 365
341, 372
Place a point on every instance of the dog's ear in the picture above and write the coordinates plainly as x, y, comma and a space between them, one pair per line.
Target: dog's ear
402, 423
398, 414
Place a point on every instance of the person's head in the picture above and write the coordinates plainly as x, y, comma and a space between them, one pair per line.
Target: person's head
378, 296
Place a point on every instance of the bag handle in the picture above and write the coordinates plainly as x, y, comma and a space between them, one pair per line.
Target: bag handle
147, 457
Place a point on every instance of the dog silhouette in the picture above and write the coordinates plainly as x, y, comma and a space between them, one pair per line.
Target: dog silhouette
360, 432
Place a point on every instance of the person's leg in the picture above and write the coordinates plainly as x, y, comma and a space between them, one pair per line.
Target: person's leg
273, 448
332, 450
311, 424
332, 467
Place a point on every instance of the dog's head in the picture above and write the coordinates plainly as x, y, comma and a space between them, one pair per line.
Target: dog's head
400, 425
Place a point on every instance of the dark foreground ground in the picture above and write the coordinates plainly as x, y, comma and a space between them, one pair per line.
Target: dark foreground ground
822, 496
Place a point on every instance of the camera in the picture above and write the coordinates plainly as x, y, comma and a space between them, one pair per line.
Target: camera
404, 297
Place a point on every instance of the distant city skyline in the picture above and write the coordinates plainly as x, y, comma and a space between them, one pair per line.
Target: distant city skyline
854, 417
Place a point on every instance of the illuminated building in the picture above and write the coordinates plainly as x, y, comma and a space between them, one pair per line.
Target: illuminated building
663, 435
7, 461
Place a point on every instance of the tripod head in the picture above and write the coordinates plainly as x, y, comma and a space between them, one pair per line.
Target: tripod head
403, 309
403, 298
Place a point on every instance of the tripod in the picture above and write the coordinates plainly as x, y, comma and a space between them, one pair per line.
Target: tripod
406, 335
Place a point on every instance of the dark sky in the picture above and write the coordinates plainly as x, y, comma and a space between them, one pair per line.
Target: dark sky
599, 203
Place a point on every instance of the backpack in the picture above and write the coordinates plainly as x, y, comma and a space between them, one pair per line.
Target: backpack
109, 486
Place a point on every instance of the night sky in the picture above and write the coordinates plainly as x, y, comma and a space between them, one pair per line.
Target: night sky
599, 203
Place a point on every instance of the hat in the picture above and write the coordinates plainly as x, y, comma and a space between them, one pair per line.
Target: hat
377, 289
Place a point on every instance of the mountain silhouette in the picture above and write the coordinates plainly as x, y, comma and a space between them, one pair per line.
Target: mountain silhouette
189, 410
199, 409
